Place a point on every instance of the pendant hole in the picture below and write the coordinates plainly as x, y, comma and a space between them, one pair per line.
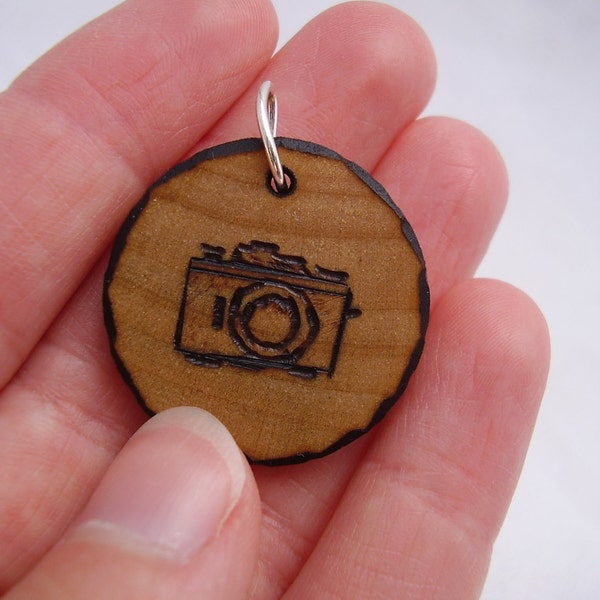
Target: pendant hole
289, 184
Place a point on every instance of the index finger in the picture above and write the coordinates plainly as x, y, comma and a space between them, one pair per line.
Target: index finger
84, 132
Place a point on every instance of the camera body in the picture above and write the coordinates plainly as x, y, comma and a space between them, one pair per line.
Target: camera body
261, 309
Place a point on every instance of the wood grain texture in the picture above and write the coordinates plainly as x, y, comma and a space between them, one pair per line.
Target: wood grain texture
295, 320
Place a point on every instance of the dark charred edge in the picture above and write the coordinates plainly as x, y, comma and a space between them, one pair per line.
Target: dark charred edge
123, 371
109, 323
424, 302
250, 145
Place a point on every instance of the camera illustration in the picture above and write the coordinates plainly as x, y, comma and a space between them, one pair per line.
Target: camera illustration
259, 309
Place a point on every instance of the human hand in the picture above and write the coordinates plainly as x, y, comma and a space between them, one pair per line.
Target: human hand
408, 511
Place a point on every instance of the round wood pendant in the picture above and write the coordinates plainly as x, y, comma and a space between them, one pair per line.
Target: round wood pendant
295, 317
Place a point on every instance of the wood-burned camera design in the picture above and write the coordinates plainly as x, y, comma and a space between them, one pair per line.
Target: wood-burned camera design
261, 309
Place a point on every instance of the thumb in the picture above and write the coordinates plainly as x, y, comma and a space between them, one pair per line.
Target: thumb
176, 515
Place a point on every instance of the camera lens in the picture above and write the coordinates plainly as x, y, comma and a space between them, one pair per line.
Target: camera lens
270, 322
273, 321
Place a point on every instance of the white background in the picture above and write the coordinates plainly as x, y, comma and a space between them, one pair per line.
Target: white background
527, 73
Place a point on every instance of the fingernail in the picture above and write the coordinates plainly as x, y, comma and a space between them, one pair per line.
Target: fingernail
171, 488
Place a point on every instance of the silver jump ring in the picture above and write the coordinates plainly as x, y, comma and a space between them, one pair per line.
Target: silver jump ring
266, 114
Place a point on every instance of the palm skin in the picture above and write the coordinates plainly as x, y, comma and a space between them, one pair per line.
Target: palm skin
409, 511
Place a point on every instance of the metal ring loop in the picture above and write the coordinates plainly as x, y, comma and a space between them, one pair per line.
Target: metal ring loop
266, 114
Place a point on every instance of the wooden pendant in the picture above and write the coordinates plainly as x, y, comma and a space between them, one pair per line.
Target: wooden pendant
295, 317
